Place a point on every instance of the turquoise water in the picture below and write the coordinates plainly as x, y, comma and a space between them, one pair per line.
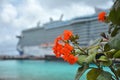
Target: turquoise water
37, 70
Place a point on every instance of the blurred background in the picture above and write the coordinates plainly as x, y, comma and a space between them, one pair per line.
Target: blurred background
29, 27
18, 15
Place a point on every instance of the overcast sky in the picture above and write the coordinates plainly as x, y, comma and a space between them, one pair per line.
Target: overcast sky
17, 15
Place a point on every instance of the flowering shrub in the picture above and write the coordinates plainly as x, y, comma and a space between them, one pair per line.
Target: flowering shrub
63, 49
102, 53
101, 16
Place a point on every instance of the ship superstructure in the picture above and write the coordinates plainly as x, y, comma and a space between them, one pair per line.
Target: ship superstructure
39, 40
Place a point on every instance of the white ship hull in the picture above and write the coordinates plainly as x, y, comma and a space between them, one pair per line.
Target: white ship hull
37, 51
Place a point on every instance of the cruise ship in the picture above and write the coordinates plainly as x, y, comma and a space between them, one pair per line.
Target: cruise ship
38, 41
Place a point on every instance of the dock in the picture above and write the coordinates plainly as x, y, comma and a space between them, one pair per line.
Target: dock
21, 58
46, 57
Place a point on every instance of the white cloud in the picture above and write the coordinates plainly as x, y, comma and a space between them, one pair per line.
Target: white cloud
8, 13
78, 10
6, 38
98, 3
33, 11
109, 4
62, 3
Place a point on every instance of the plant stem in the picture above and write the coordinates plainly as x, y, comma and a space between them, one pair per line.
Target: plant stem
81, 49
112, 69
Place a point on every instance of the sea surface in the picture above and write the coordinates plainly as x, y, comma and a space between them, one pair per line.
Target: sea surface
37, 70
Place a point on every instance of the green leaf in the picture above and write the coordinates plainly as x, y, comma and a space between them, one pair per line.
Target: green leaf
81, 59
114, 42
118, 72
108, 63
117, 66
117, 54
107, 19
106, 47
93, 74
80, 71
76, 36
90, 58
93, 50
103, 59
103, 35
114, 16
74, 39
110, 53
110, 27
104, 76
114, 32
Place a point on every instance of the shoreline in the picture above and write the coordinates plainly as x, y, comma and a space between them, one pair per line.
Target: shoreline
46, 57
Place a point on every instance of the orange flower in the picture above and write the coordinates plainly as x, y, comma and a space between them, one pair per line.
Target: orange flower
101, 16
65, 51
56, 49
71, 59
67, 34
58, 55
69, 47
62, 49
57, 39
65, 57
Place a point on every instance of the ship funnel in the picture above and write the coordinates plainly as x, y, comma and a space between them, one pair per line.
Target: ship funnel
61, 17
38, 24
51, 19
